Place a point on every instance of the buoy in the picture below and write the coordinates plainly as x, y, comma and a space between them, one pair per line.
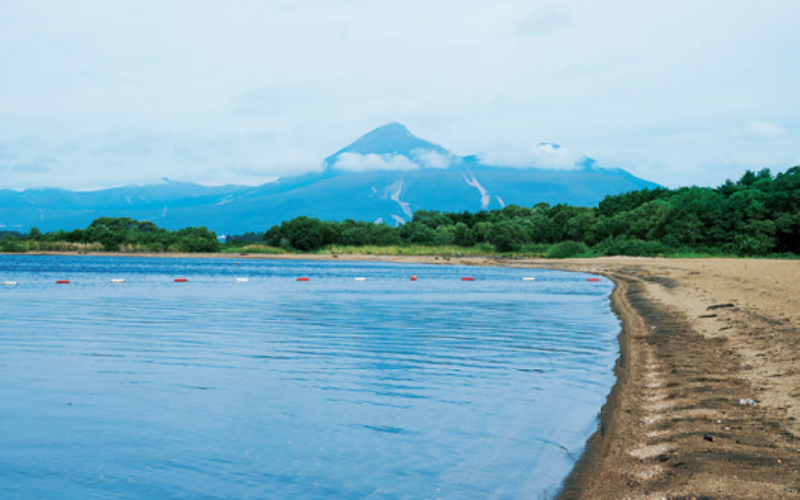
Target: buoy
181, 280
303, 279
62, 282
592, 279
360, 279
413, 278
467, 278
528, 279
117, 280
242, 280
10, 283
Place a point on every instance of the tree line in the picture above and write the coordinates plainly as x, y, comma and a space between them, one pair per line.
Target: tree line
115, 234
757, 215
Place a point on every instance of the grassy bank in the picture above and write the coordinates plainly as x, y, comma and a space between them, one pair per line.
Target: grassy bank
547, 251
563, 250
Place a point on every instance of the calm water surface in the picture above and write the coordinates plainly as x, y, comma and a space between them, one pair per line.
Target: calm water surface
278, 389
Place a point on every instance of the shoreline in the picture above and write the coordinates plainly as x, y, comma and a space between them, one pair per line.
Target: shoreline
698, 335
587, 468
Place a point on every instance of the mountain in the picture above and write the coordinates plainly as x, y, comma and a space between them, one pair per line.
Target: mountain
391, 139
383, 176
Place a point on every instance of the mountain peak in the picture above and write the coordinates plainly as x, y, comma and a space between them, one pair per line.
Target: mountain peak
391, 128
392, 139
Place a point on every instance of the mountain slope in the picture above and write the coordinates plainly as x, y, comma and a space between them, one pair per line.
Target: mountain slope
385, 176
389, 140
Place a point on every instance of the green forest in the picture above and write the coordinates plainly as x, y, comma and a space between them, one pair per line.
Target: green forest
759, 215
114, 235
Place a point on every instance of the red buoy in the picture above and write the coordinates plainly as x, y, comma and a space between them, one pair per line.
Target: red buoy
467, 278
303, 279
592, 279
181, 280
413, 278
62, 282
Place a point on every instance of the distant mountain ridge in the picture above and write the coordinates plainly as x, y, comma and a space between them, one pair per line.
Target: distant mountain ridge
383, 176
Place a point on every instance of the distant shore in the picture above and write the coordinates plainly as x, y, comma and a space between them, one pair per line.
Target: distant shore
699, 337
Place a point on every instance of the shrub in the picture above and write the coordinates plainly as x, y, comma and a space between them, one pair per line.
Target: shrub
10, 244
633, 248
567, 249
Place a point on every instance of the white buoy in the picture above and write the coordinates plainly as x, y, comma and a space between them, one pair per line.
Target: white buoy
242, 280
528, 279
117, 280
10, 283
360, 279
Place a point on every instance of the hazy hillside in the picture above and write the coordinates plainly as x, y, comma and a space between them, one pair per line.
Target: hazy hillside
385, 176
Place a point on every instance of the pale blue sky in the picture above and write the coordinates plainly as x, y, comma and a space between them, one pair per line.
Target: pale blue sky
97, 93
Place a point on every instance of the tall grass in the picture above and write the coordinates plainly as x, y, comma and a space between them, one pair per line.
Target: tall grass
545, 251
57, 246
258, 248
415, 250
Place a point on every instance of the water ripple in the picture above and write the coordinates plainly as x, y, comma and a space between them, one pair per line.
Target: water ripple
384, 389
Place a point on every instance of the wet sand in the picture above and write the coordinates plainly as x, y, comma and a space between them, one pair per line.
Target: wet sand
699, 335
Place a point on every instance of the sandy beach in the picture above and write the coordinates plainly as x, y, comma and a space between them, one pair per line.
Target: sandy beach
699, 336
708, 381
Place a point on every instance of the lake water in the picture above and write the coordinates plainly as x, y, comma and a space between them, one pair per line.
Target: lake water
279, 389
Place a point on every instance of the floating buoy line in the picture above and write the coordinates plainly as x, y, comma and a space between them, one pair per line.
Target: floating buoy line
301, 278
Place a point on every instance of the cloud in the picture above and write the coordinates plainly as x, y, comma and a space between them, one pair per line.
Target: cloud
544, 21
545, 156
420, 158
763, 130
121, 92
432, 159
32, 168
354, 162
26, 166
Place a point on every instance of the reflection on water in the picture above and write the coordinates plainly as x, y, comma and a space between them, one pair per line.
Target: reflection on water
273, 388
